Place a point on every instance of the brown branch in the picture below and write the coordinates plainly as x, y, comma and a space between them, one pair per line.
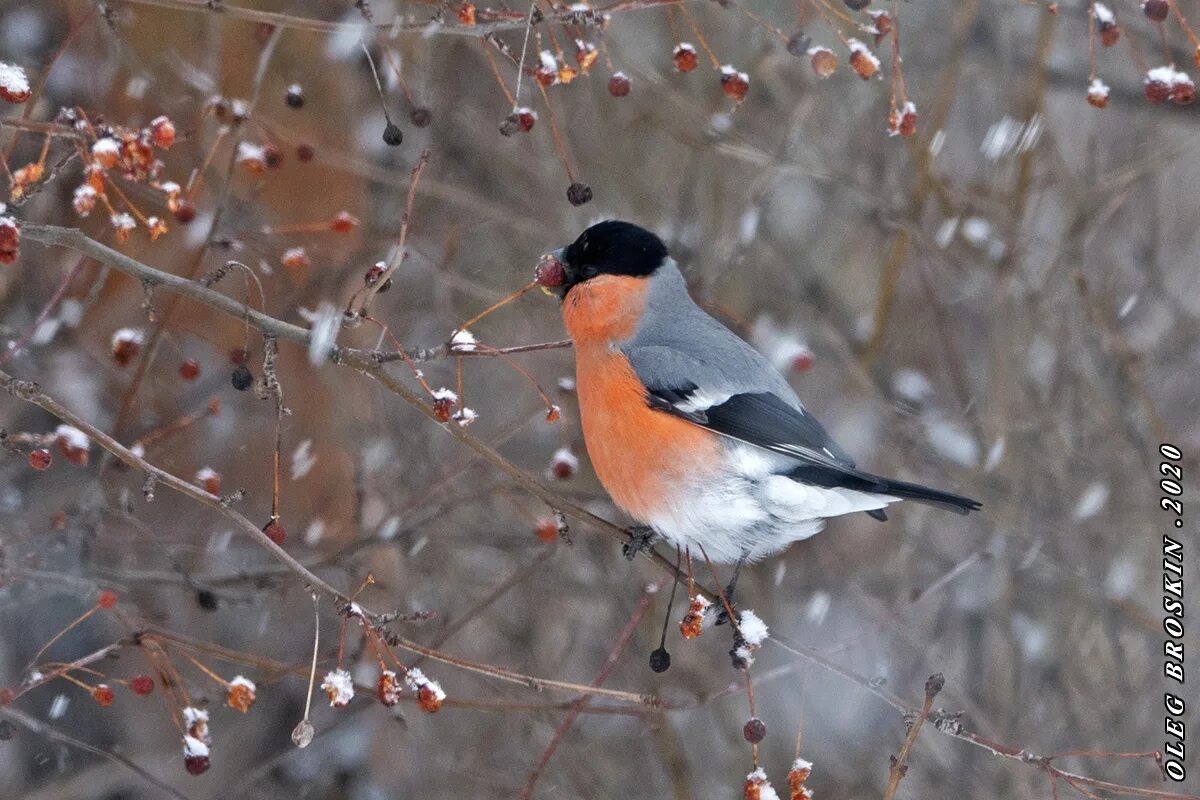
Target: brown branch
899, 766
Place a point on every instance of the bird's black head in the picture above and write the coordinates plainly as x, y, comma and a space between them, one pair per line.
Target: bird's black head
612, 247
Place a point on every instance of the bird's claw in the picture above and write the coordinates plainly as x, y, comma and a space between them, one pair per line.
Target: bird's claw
640, 538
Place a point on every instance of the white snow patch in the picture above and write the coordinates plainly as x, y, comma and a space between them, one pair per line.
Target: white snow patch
303, 460
753, 629
1091, 502
462, 342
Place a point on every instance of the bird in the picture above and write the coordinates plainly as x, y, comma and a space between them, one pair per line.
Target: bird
689, 429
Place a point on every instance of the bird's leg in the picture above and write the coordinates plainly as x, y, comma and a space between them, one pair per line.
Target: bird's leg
723, 615
640, 538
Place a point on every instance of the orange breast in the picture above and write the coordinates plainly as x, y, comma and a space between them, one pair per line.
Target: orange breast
644, 458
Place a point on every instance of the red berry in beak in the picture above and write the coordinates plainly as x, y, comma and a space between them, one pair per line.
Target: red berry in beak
550, 272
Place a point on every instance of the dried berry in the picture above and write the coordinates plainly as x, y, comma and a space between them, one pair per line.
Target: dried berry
564, 464
546, 75
241, 694
10, 240
73, 444
141, 685
126, 344
388, 688
209, 479
295, 258
755, 730
392, 135
1156, 10
274, 531
1110, 33
466, 13
14, 86
510, 125
579, 193
238, 355
189, 369
660, 660
40, 459
526, 117
692, 623
1097, 93
619, 84
304, 153
420, 117
862, 60
685, 57
295, 96
824, 62
799, 43
241, 378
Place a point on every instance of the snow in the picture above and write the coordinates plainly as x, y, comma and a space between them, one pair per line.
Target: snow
748, 224
1103, 14
75, 438
1009, 136
952, 442
324, 331
58, 706
912, 385
128, 335
812, 51
302, 460
294, 254
242, 680
465, 416
462, 342
314, 532
858, 47
800, 765
416, 679
193, 715
445, 394
339, 686
945, 233
818, 607
123, 221
759, 779
754, 630
563, 455
194, 748
84, 199
1091, 502
170, 187
1097, 88
548, 60
1168, 75
206, 474
13, 80
106, 146
248, 151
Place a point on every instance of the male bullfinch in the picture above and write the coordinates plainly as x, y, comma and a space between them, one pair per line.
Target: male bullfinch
690, 430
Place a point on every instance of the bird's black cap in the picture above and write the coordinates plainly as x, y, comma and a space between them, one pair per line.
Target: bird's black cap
613, 247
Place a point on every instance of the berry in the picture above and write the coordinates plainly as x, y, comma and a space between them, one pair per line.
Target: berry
196, 764
1110, 33
734, 84
189, 369
241, 378
525, 119
856, 5
40, 459
162, 130
545, 75
206, 599
272, 156
103, 694
420, 117
388, 689
618, 84
304, 153
241, 694
392, 135
6, 730
684, 57
799, 43
275, 531
1157, 91
754, 731
863, 62
660, 660
824, 62
803, 360
295, 96
429, 699
238, 355
509, 125
344, 222
546, 530
466, 13
185, 212
442, 408
550, 272
1156, 10
107, 599
142, 685
579, 193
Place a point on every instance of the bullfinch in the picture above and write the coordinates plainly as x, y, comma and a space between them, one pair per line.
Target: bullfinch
691, 431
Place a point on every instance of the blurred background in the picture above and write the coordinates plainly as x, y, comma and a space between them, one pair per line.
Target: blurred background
1002, 305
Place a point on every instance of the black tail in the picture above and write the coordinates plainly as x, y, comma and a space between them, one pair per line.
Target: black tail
850, 478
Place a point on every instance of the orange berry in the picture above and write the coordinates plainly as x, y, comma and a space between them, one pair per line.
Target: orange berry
685, 57
107, 599
103, 694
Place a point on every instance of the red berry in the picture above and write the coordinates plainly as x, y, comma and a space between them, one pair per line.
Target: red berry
1157, 91
755, 730
7, 696
189, 369
186, 211
142, 685
1110, 33
344, 222
685, 57
107, 599
442, 408
275, 532
163, 132
547, 529
103, 694
40, 459
824, 62
304, 153
803, 360
238, 355
1156, 10
196, 765
619, 85
550, 272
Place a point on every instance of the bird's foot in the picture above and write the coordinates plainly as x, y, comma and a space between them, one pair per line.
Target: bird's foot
641, 537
